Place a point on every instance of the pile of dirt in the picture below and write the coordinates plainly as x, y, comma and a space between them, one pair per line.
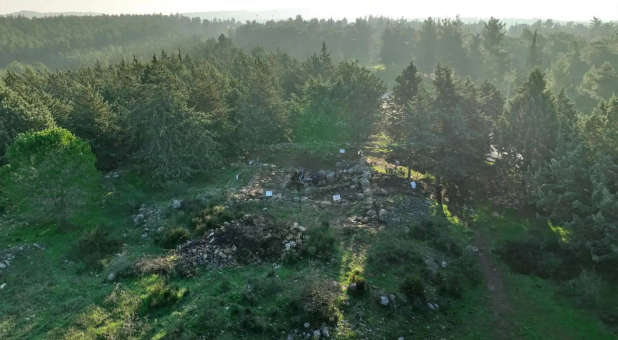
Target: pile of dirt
250, 239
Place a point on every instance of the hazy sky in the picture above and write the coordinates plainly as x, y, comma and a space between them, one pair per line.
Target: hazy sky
555, 9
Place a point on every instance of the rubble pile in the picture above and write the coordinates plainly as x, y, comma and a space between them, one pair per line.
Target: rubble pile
250, 239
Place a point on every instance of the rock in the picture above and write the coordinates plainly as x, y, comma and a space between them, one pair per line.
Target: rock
2, 286
316, 334
352, 288
176, 204
444, 264
400, 338
384, 300
364, 183
330, 177
382, 215
299, 227
2, 265
306, 324
325, 332
111, 276
472, 249
138, 219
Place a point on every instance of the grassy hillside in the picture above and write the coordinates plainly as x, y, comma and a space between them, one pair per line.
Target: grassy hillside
380, 264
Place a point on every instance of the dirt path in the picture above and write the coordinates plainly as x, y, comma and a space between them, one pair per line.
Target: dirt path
502, 325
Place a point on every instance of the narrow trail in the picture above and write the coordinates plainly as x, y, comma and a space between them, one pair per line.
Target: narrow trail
502, 325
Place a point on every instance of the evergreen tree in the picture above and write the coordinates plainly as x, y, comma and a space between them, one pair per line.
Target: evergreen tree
406, 85
428, 37
50, 175
18, 115
529, 127
534, 53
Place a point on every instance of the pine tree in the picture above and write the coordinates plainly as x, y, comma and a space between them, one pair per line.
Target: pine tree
529, 127
407, 85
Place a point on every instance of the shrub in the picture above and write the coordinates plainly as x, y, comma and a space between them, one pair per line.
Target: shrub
414, 290
541, 258
318, 300
320, 242
357, 284
160, 294
50, 176
451, 285
174, 237
95, 245
585, 288
257, 289
212, 217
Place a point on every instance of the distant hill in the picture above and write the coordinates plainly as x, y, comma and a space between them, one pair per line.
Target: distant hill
34, 14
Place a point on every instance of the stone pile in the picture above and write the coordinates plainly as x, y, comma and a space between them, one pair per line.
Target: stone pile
250, 239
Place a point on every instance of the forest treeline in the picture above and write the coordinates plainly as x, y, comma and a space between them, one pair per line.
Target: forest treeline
579, 58
71, 41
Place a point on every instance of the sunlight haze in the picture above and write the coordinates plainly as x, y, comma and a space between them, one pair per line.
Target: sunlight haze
524, 9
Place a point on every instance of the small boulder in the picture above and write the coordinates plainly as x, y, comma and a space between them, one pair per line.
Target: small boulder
325, 332
176, 204
138, 219
2, 286
384, 300
111, 276
306, 324
364, 182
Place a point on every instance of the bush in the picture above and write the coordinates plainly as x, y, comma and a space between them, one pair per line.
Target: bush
318, 300
414, 290
357, 285
94, 246
257, 289
50, 176
320, 242
212, 217
160, 294
174, 237
585, 288
541, 258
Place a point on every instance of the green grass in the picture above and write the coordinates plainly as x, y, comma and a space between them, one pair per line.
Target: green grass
541, 313
539, 310
48, 297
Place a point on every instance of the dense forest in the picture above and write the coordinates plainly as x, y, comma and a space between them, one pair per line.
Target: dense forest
70, 41
521, 121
